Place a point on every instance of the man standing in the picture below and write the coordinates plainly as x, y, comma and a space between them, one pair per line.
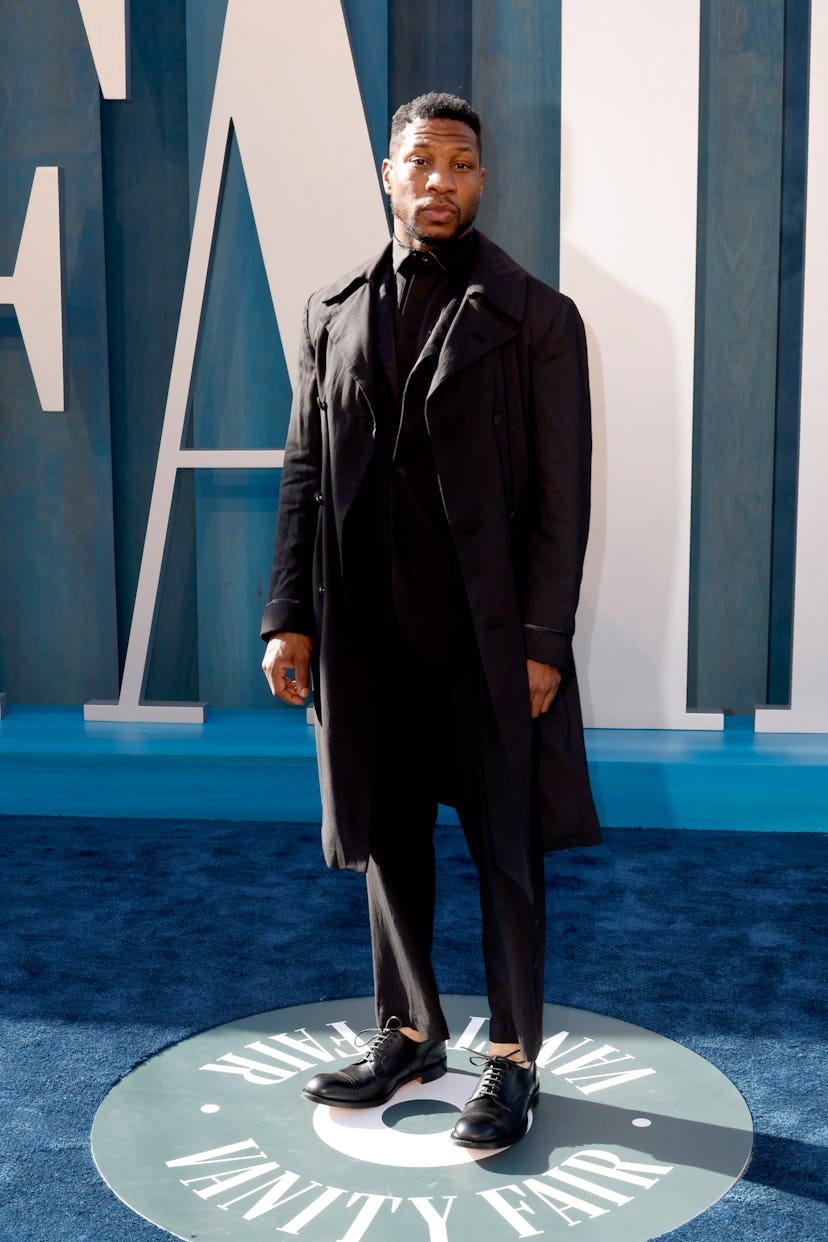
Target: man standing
433, 517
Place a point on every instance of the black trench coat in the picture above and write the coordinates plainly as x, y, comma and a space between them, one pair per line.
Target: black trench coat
509, 420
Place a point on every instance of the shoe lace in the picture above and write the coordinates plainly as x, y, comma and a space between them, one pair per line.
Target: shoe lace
379, 1037
494, 1072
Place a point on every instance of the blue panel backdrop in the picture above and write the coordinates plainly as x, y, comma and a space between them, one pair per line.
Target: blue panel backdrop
73, 505
145, 184
789, 350
58, 640
740, 173
516, 79
429, 48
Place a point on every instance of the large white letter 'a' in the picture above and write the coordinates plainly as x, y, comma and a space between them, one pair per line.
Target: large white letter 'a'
278, 62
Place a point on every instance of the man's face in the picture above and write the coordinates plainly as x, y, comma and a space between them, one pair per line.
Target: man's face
434, 180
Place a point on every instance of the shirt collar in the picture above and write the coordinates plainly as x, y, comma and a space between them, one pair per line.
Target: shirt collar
452, 256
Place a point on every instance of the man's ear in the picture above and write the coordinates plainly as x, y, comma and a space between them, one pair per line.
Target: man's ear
387, 172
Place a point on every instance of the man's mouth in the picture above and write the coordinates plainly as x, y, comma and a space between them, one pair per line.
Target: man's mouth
439, 212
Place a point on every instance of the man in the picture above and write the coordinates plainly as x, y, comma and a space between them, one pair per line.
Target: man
432, 523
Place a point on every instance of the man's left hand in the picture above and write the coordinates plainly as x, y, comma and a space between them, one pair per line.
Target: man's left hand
544, 680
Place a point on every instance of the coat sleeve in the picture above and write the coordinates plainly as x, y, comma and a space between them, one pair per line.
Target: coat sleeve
290, 598
561, 444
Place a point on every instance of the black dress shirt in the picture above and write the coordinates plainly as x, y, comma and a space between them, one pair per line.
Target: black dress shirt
406, 575
425, 282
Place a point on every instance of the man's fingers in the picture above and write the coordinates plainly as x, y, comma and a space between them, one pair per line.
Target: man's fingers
274, 672
540, 703
301, 673
544, 681
282, 655
285, 652
291, 690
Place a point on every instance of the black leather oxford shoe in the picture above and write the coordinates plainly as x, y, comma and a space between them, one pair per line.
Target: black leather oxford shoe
391, 1060
497, 1113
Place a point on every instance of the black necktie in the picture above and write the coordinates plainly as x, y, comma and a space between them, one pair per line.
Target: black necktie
413, 320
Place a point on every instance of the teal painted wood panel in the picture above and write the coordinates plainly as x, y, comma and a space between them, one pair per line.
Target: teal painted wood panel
740, 165
789, 352
429, 49
506, 60
172, 663
516, 84
57, 585
235, 520
146, 201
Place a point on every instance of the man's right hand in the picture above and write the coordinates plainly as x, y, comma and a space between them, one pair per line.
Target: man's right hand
284, 652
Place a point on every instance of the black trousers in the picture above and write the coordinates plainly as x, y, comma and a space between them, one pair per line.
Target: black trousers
436, 724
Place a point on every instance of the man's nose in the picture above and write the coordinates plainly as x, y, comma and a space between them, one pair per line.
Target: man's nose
441, 178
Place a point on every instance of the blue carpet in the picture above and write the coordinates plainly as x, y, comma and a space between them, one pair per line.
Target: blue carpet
120, 937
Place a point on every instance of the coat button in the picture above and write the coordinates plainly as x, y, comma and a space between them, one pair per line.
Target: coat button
401, 472
321, 590
323, 405
497, 420
319, 498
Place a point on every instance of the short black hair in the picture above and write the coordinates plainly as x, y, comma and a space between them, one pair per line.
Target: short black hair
434, 106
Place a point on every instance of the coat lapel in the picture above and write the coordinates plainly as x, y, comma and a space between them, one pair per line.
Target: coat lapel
475, 332
490, 314
350, 323
351, 355
349, 332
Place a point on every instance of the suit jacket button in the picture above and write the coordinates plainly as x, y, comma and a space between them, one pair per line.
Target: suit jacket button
401, 472
497, 420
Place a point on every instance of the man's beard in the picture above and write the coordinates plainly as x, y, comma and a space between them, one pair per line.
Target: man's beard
462, 225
